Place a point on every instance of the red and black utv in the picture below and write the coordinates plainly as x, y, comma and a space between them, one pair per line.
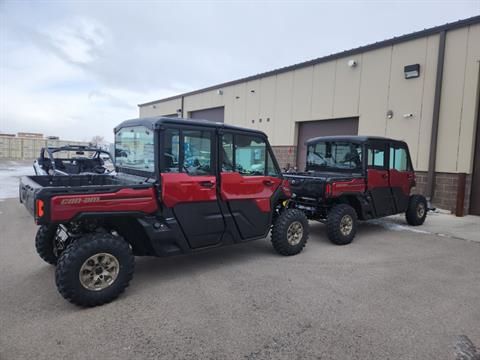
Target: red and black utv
355, 177
181, 186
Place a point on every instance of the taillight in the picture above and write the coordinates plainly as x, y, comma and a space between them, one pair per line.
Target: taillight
328, 190
40, 208
286, 188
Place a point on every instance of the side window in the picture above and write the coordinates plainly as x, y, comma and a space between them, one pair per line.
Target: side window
250, 154
399, 159
187, 151
376, 157
171, 159
271, 169
227, 153
197, 158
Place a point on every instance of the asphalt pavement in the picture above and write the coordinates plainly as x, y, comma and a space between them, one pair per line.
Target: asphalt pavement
388, 295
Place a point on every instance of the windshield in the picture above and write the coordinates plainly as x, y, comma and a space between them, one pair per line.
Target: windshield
334, 155
134, 148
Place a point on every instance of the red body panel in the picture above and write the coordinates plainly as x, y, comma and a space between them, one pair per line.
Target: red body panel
257, 188
402, 179
180, 188
377, 178
66, 207
352, 186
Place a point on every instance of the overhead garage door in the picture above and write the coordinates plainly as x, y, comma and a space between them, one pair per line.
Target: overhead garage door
311, 129
475, 186
212, 114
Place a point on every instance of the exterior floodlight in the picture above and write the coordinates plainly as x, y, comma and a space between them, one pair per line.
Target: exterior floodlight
412, 71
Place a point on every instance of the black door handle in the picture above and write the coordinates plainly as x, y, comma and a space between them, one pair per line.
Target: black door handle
207, 184
268, 182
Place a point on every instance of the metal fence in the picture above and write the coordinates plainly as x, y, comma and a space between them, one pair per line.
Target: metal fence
16, 148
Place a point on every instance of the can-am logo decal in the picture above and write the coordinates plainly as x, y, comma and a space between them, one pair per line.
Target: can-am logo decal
75, 201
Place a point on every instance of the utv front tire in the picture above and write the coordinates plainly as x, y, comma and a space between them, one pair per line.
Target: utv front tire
44, 243
417, 210
94, 270
290, 232
342, 224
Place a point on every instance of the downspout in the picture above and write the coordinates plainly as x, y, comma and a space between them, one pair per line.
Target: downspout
181, 106
436, 118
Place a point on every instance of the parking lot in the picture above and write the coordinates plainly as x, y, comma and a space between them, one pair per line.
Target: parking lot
392, 293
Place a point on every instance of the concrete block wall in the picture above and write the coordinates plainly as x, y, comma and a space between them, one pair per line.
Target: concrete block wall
285, 155
445, 190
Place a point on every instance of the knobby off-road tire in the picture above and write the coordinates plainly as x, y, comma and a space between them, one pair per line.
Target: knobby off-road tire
95, 269
342, 224
417, 210
44, 243
290, 232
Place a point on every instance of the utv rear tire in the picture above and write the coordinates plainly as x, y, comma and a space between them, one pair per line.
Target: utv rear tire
81, 263
290, 232
44, 243
417, 210
342, 224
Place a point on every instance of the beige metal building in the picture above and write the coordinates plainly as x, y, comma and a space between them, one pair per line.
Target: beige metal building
421, 87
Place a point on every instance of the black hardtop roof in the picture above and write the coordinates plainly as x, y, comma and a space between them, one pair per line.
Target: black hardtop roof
156, 122
352, 138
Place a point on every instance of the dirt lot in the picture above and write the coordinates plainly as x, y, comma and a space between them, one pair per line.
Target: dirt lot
390, 294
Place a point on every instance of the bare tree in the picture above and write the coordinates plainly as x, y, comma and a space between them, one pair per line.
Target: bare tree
97, 141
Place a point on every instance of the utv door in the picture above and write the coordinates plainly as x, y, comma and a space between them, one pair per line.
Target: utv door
378, 179
189, 184
401, 176
249, 177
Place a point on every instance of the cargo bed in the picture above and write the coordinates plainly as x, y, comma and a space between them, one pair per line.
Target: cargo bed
65, 188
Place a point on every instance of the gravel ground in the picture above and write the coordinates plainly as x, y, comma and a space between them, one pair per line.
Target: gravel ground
388, 295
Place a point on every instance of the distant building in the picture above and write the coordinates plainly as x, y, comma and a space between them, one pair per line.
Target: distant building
30, 135
27, 146
422, 88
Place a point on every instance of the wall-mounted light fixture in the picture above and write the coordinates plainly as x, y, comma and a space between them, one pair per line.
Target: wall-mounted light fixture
179, 112
389, 114
352, 63
237, 97
219, 92
252, 91
412, 71
154, 106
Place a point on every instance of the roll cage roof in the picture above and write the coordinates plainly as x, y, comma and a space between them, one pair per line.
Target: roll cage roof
74, 148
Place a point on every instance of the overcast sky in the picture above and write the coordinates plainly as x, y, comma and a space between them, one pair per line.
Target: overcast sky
75, 69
